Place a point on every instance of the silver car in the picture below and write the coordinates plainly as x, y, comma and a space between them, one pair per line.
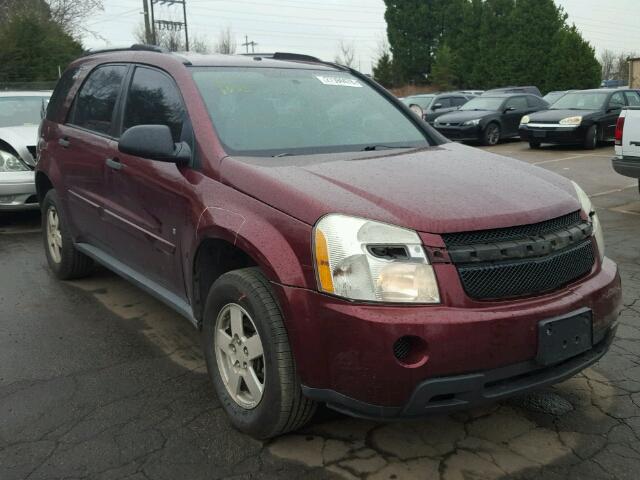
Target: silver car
20, 115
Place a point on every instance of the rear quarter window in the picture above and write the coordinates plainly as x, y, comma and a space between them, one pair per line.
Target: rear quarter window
60, 94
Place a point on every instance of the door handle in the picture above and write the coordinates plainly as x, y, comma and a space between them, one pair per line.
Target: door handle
64, 142
114, 163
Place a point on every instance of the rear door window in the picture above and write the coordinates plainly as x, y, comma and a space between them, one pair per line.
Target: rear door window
518, 103
154, 99
633, 99
96, 102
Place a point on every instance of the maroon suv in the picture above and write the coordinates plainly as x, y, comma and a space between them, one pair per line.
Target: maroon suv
331, 246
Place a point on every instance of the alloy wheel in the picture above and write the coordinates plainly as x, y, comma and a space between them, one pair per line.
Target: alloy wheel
493, 134
54, 236
240, 356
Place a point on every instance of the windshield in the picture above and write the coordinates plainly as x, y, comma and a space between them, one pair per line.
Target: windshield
16, 111
483, 103
581, 101
553, 96
275, 112
423, 101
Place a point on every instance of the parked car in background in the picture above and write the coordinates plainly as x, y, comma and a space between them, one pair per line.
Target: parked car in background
327, 254
430, 107
613, 84
552, 97
529, 89
583, 117
627, 143
489, 118
475, 93
20, 115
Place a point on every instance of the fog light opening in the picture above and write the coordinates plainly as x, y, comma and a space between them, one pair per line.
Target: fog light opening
410, 351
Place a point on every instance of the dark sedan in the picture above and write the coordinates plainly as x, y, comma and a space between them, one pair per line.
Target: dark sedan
583, 117
489, 119
432, 106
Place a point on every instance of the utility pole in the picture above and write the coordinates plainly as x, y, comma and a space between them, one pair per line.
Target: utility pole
248, 44
170, 24
147, 22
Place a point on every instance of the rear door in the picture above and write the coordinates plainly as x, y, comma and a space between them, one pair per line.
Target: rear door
616, 103
515, 108
151, 205
85, 142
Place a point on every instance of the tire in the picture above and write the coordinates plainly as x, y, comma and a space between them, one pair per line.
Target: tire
281, 407
491, 134
591, 138
63, 258
534, 145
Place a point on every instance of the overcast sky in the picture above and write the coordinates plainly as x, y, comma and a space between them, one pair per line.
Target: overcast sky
316, 27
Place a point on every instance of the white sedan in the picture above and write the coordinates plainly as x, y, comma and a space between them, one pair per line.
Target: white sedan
20, 115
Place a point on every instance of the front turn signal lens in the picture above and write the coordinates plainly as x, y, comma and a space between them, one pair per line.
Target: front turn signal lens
323, 267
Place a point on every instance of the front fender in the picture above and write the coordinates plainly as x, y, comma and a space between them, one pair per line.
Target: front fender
279, 244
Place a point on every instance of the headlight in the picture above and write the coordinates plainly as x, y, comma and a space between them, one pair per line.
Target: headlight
472, 122
571, 121
526, 119
366, 260
10, 163
589, 209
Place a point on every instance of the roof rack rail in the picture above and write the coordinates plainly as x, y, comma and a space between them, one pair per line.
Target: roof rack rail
136, 47
296, 57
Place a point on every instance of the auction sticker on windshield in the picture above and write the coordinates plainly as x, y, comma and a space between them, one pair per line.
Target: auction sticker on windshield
339, 81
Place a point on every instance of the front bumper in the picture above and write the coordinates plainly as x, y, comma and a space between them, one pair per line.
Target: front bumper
555, 135
344, 351
17, 191
627, 166
470, 133
461, 392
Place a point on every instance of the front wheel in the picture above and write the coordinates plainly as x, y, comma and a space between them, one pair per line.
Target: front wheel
591, 138
249, 358
491, 134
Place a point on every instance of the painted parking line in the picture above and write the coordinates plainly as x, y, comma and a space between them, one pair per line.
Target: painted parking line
560, 159
615, 190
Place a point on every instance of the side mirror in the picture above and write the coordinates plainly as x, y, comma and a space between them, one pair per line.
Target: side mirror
437, 106
417, 109
154, 142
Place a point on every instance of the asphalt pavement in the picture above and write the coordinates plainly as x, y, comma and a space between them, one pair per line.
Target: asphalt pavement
100, 381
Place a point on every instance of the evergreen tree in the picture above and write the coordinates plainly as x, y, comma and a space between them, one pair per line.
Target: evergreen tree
383, 71
32, 48
572, 63
444, 71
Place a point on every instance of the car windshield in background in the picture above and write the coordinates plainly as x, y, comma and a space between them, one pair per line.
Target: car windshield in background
581, 101
422, 101
552, 97
16, 111
483, 103
272, 112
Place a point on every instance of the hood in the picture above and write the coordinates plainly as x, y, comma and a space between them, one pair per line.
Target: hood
554, 116
448, 188
460, 116
21, 137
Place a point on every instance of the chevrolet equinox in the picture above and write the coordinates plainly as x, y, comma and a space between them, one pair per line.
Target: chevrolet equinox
330, 245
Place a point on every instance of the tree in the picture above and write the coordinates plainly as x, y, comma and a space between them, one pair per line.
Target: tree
608, 63
572, 62
34, 48
443, 72
346, 54
226, 42
71, 14
383, 71
172, 40
622, 66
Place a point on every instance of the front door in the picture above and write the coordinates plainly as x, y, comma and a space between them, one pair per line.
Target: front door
151, 203
514, 109
84, 144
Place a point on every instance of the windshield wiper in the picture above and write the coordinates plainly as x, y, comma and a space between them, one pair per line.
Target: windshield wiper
373, 148
283, 154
